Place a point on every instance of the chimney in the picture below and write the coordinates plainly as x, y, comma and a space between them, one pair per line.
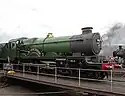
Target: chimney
86, 30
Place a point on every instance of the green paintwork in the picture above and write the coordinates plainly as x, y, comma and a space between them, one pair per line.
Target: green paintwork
1, 49
4, 51
34, 43
57, 44
98, 65
54, 44
38, 44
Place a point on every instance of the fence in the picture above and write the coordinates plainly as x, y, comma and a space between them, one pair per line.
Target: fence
25, 68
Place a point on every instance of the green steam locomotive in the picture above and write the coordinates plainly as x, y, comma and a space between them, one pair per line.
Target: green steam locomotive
77, 51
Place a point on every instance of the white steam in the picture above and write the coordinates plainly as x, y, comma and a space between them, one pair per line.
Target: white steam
112, 39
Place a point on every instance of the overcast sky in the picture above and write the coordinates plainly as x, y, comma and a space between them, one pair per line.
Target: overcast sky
35, 18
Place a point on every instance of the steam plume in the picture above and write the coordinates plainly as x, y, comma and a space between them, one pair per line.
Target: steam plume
113, 38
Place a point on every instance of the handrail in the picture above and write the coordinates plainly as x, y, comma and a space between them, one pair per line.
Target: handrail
79, 77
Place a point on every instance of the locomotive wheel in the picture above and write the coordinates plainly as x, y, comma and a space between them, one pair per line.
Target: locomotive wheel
34, 54
66, 72
102, 75
99, 75
93, 75
69, 72
96, 75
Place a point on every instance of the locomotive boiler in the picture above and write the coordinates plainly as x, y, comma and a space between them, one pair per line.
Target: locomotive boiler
86, 44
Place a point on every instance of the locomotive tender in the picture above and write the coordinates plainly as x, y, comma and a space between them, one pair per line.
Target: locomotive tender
66, 51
